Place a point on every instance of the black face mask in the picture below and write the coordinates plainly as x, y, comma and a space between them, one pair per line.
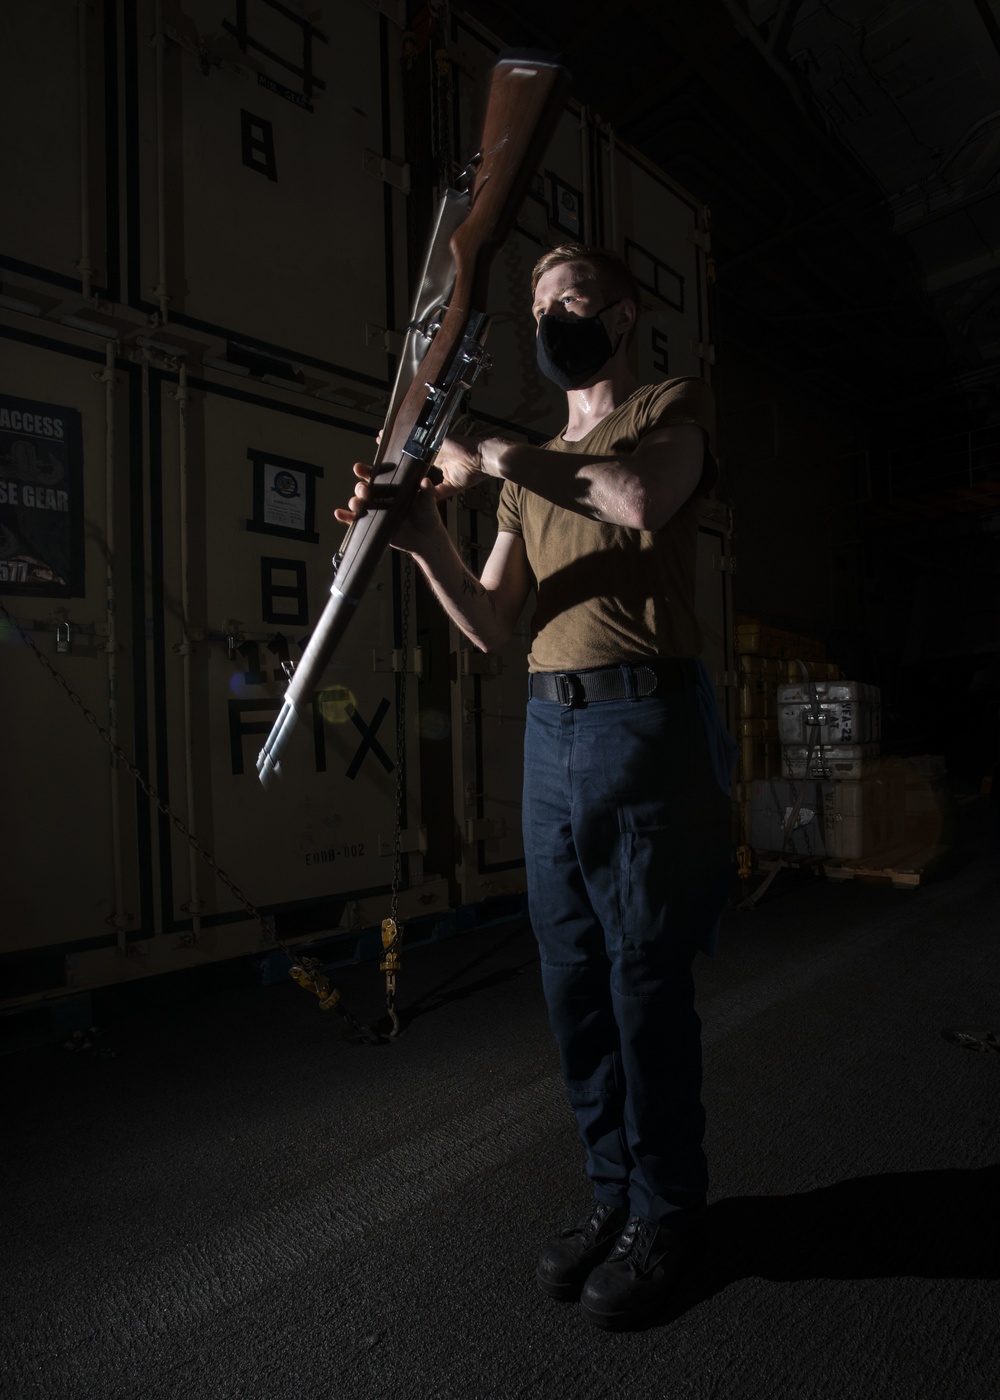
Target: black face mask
570, 350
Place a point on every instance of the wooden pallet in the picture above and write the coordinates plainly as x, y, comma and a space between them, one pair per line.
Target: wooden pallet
902, 868
769, 860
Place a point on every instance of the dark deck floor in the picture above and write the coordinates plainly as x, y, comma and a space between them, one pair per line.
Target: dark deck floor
240, 1204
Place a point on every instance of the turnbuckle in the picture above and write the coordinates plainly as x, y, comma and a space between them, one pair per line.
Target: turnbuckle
306, 972
392, 934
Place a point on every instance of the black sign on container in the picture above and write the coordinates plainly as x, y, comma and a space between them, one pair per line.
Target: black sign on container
41, 499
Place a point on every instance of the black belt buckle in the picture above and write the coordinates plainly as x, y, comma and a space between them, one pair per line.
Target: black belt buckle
569, 689
646, 680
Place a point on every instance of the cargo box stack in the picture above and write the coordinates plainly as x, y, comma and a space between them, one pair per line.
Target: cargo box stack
760, 750
828, 729
768, 658
830, 733
810, 740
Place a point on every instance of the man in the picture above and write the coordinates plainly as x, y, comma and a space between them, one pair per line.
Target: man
625, 809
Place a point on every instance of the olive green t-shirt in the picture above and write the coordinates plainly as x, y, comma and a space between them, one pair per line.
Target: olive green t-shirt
607, 593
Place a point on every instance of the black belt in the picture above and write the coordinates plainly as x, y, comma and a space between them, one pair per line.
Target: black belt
631, 680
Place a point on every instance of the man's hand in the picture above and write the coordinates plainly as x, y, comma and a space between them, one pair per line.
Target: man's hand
420, 523
485, 609
461, 462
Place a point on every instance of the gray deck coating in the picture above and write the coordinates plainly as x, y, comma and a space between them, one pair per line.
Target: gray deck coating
241, 1204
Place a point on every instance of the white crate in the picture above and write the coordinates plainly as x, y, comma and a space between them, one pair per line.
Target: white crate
863, 818
829, 712
771, 804
838, 761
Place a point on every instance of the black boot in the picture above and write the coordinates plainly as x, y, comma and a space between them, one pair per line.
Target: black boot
638, 1274
567, 1258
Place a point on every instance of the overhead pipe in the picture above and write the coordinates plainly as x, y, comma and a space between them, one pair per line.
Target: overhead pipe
119, 918
781, 25
989, 19
749, 31
84, 264
586, 220
159, 45
612, 185
185, 648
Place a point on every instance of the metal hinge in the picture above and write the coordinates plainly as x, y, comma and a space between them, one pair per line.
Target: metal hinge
705, 350
724, 563
701, 238
384, 660
727, 678
378, 338
483, 829
394, 172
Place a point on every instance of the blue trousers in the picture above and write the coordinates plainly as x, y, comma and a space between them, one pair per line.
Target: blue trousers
628, 849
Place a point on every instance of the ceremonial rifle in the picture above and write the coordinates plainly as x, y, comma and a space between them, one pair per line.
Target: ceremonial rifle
522, 108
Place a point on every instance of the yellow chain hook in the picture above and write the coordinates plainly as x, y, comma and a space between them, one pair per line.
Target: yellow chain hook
307, 974
392, 934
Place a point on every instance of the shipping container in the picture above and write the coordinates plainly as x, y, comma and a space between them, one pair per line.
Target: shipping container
200, 318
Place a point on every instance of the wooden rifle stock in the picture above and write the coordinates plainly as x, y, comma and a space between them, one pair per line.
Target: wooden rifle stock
522, 108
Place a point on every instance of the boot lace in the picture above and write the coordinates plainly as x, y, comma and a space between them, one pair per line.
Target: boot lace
634, 1242
590, 1227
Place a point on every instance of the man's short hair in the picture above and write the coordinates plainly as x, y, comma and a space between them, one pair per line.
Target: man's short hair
611, 271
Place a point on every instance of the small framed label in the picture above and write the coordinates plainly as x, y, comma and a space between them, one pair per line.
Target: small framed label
284, 497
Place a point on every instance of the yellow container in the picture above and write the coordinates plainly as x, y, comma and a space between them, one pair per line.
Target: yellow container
797, 670
754, 639
760, 757
760, 677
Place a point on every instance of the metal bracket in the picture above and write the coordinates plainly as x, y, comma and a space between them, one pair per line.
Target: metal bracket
412, 841
378, 338
388, 168
383, 660
78, 629
483, 829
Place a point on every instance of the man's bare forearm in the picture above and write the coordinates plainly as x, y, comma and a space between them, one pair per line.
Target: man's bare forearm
602, 488
469, 604
640, 489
